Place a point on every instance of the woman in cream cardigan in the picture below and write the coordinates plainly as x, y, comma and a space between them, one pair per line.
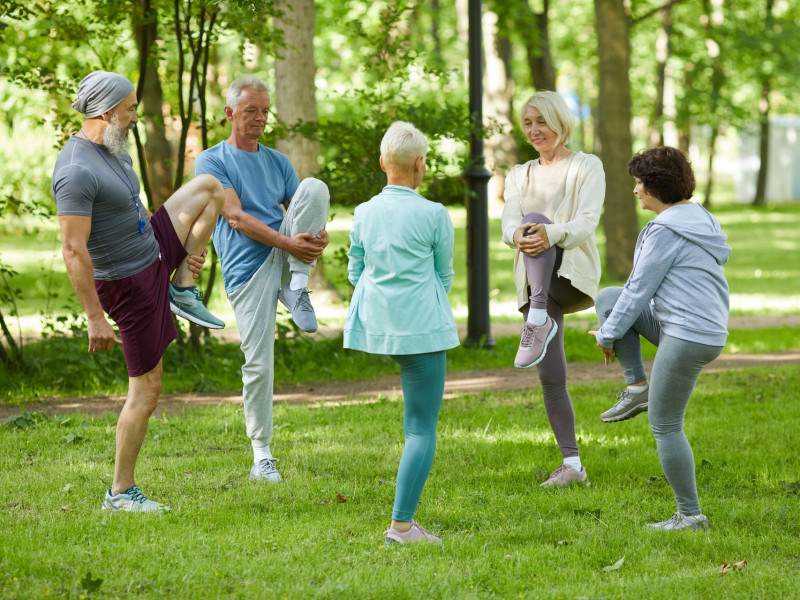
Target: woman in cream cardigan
401, 264
552, 208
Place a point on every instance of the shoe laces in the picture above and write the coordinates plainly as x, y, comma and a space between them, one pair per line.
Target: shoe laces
136, 494
528, 333
622, 396
562, 468
304, 302
266, 466
420, 527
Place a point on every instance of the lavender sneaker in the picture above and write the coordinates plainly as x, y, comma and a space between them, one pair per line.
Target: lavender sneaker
533, 345
565, 476
414, 534
678, 521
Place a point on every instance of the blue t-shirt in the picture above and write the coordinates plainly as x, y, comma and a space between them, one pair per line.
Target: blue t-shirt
262, 180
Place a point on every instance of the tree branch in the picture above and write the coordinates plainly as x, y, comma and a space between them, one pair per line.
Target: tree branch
653, 11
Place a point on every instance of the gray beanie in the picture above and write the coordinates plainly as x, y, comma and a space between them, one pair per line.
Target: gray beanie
100, 91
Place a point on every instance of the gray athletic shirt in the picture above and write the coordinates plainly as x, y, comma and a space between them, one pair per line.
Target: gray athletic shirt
84, 185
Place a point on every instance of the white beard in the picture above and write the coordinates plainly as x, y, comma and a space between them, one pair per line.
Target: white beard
115, 138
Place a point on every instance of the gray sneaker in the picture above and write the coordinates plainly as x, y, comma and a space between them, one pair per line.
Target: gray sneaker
298, 303
414, 534
132, 500
565, 476
265, 470
629, 404
533, 345
679, 521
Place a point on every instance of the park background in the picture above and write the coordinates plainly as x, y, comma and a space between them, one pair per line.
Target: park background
717, 78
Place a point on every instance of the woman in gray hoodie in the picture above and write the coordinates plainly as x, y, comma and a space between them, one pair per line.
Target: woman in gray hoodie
677, 298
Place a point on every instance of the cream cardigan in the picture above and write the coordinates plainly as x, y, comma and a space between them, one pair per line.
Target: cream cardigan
573, 227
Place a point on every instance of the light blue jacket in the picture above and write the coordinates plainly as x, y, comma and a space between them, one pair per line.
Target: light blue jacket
677, 269
401, 264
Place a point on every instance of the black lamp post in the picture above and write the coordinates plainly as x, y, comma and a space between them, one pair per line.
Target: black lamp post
477, 177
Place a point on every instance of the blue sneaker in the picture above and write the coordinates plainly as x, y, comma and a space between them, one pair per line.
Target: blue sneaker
189, 305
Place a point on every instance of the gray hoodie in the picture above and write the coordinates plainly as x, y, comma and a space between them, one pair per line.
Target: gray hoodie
677, 270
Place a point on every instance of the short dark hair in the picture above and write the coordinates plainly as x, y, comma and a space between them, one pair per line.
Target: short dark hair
665, 172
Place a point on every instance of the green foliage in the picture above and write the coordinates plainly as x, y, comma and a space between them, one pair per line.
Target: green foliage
318, 535
395, 83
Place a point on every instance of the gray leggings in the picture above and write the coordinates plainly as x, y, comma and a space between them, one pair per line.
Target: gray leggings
677, 366
549, 290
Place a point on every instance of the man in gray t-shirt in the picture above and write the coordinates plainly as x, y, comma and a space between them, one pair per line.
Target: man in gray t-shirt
120, 259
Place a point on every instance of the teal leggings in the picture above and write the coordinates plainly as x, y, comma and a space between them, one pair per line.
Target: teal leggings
422, 376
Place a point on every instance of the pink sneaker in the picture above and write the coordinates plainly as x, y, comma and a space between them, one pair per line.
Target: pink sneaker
565, 476
533, 344
414, 534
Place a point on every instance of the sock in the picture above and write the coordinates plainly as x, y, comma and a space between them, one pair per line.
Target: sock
298, 281
179, 288
260, 454
638, 388
537, 316
574, 462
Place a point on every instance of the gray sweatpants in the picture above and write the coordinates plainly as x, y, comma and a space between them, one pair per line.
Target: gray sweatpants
255, 305
676, 368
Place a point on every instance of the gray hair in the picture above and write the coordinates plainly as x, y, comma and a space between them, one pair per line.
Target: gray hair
245, 81
402, 144
555, 112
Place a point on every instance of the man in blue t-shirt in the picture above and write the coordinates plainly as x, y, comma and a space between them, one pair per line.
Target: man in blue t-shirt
266, 255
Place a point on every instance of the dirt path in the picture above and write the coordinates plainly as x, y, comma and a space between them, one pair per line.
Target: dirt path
339, 392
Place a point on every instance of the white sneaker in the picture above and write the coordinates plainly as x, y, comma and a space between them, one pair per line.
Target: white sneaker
265, 470
132, 500
679, 521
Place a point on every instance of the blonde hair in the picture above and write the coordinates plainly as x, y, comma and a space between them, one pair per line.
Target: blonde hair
555, 112
402, 144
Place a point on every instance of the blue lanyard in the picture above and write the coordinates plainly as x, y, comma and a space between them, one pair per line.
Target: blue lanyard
128, 183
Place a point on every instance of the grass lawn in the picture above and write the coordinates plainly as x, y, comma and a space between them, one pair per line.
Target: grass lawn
318, 535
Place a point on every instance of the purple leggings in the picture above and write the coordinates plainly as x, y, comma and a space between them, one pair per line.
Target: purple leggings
548, 290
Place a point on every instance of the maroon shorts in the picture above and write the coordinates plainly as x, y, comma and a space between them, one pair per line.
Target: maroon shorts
139, 304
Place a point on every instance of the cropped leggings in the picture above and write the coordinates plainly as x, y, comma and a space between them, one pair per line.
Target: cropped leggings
548, 290
422, 377
676, 368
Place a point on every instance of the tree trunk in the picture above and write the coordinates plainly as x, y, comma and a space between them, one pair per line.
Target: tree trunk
540, 59
498, 91
158, 154
294, 84
763, 109
712, 147
663, 50
761, 182
614, 130
717, 76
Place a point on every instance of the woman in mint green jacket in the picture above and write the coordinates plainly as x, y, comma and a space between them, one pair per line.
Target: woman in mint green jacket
401, 264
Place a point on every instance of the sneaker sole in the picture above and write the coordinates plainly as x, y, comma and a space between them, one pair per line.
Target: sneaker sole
540, 358
639, 408
190, 317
